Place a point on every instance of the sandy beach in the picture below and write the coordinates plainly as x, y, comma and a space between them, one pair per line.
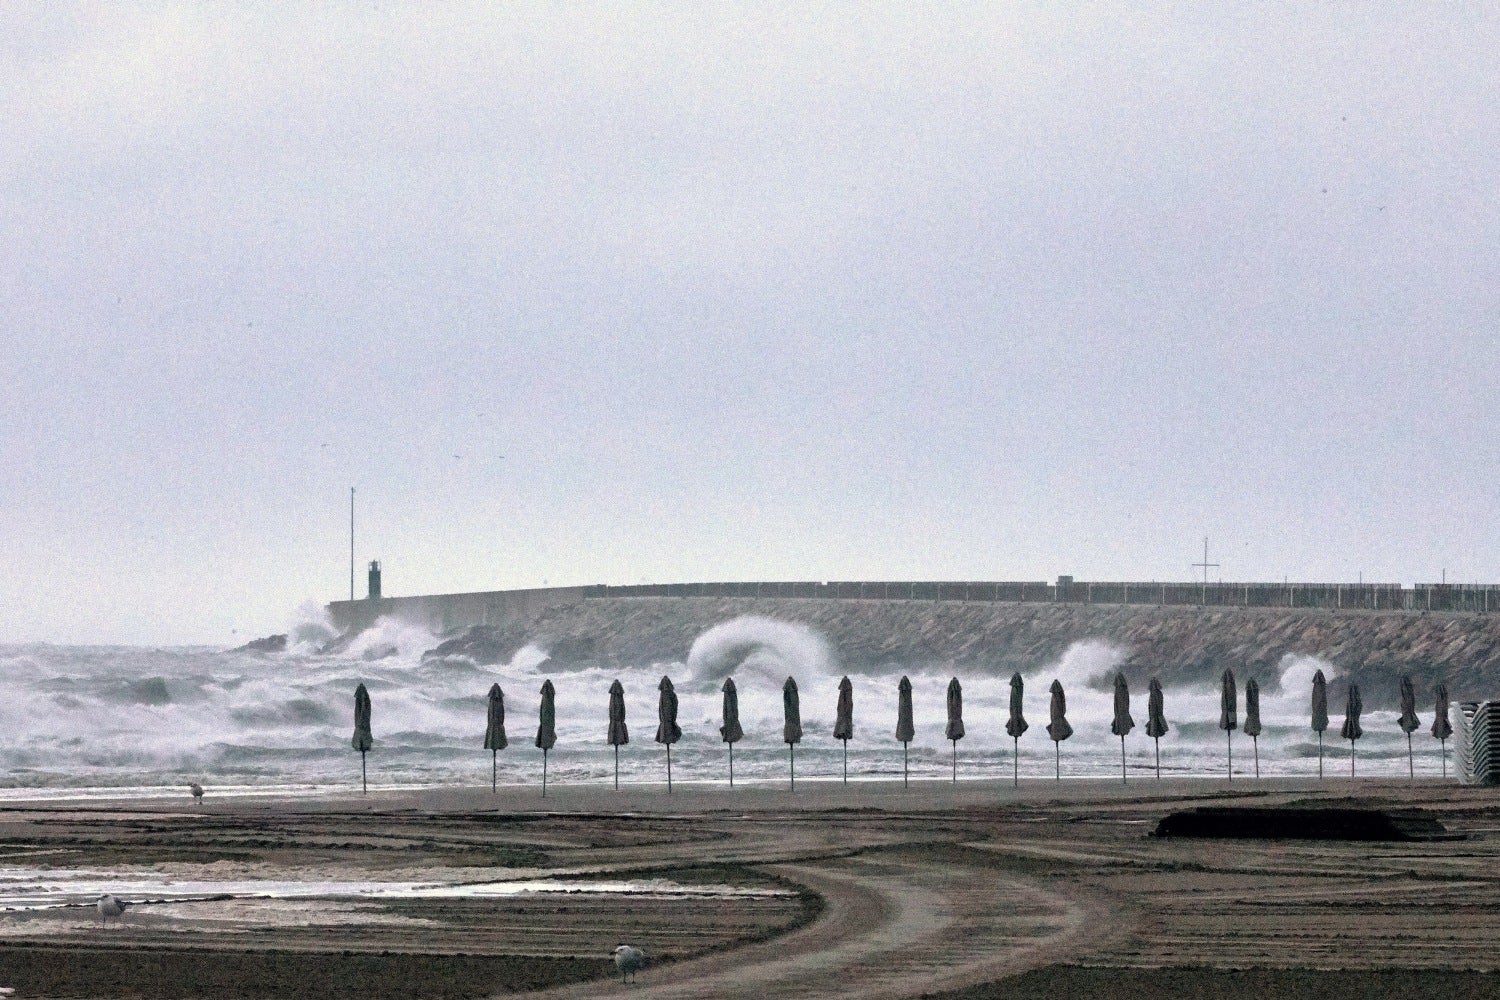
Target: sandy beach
871, 890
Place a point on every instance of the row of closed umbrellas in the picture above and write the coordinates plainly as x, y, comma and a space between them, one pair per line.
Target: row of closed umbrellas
1058, 729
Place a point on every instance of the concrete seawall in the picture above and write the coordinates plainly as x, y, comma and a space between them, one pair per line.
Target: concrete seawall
1177, 643
446, 612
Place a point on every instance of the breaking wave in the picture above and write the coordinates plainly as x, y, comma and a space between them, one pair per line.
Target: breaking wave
90, 716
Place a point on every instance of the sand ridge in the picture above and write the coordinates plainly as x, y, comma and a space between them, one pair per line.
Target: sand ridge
889, 892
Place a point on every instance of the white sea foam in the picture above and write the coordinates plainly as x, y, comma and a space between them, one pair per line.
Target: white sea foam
85, 717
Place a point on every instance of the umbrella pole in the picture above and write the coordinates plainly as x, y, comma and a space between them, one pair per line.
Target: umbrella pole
1411, 769
544, 774
669, 769
617, 767
955, 762
1122, 760
1057, 760
1157, 739
1229, 744
731, 765
904, 782
363, 785
1444, 742
1255, 743
1320, 755
791, 749
1015, 761
494, 767
846, 761
1351, 758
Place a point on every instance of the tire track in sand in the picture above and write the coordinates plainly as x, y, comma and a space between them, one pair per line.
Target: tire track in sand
893, 926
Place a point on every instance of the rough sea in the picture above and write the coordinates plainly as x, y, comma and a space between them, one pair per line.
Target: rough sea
80, 720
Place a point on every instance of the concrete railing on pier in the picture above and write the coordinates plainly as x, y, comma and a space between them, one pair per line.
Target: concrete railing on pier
1331, 596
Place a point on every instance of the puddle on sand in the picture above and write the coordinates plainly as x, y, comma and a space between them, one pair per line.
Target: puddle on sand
39, 889
636, 887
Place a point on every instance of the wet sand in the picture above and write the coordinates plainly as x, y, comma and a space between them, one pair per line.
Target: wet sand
870, 890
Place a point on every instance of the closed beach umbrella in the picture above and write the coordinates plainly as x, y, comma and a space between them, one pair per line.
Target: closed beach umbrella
1352, 731
494, 731
791, 730
1229, 716
619, 735
1122, 723
667, 730
1409, 721
1156, 720
1441, 727
1015, 726
905, 731
1058, 728
1319, 713
1252, 718
730, 732
954, 731
843, 723
363, 741
546, 730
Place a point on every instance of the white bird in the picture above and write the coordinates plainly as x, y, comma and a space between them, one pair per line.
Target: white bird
109, 906
629, 960
197, 791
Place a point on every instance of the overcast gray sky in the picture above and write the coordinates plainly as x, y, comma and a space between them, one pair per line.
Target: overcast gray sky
625, 293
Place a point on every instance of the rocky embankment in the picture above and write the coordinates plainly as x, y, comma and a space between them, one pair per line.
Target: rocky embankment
1179, 645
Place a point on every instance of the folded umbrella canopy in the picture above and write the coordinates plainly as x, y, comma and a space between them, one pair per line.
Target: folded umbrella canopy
619, 734
1441, 727
494, 730
1319, 713
954, 731
1122, 723
1156, 721
1252, 719
730, 732
1409, 721
1058, 728
843, 724
905, 731
363, 741
1352, 731
1229, 717
667, 730
1015, 726
791, 730
546, 730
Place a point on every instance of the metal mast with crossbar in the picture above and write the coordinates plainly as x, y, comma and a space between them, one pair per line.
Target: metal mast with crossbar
1206, 567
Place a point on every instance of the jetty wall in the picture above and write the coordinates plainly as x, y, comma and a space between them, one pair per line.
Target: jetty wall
446, 612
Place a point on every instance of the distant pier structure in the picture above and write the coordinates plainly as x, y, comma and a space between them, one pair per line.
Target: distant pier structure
443, 612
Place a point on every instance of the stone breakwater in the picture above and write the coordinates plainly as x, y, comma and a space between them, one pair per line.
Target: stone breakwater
1178, 645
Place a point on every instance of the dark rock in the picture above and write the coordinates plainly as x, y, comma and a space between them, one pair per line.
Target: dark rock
482, 644
269, 644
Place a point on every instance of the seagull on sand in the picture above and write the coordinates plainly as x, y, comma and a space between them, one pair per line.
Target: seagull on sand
109, 906
197, 791
629, 960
